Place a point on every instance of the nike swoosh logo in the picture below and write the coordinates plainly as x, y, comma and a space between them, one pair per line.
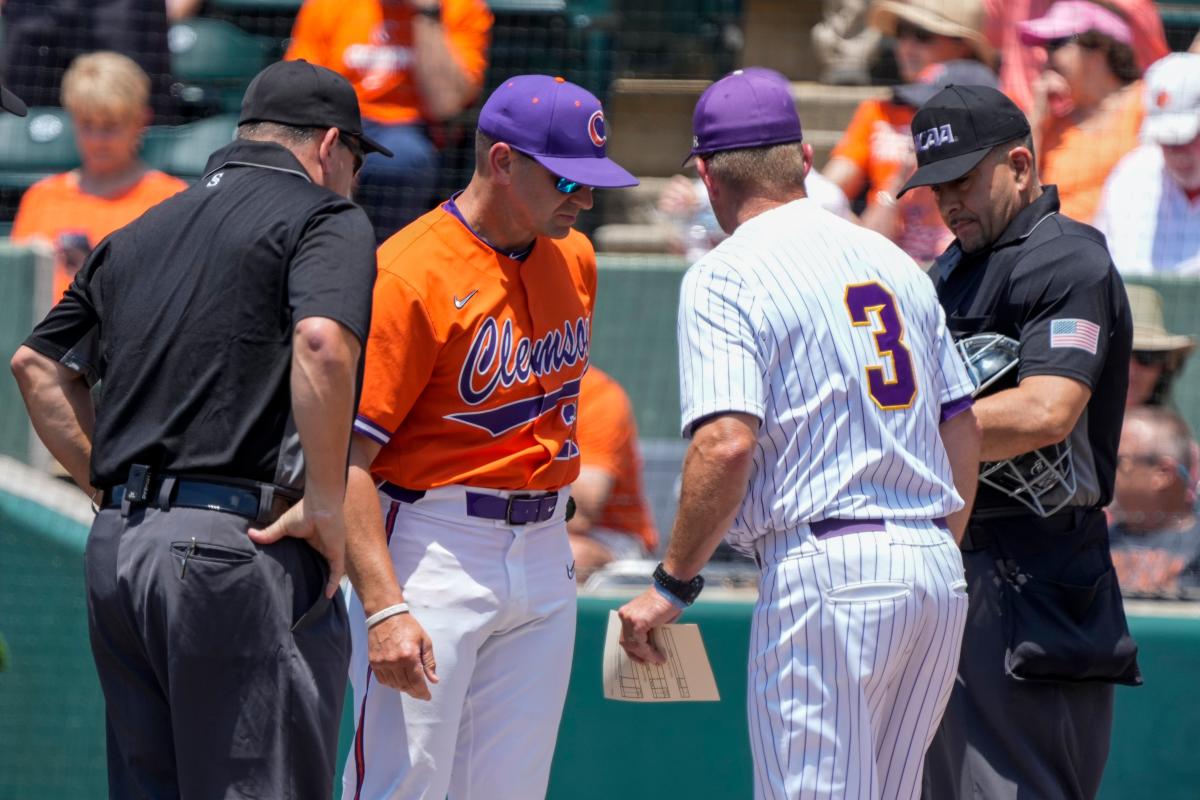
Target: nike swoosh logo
460, 303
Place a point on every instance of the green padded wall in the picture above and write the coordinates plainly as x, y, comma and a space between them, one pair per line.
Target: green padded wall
633, 336
19, 283
51, 711
51, 722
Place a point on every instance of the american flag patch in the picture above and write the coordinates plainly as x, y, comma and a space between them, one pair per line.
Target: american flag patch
1077, 333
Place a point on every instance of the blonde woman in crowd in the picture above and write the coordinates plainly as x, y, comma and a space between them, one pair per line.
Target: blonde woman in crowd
108, 98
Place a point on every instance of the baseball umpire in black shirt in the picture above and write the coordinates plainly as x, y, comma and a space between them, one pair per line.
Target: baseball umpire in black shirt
225, 326
1041, 318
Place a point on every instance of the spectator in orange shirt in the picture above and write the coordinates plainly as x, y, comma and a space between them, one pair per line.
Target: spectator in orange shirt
612, 520
412, 63
876, 151
1087, 108
108, 98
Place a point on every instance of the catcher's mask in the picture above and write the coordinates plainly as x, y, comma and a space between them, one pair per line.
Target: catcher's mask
1032, 478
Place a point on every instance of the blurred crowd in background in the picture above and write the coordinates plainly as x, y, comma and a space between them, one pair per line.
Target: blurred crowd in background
124, 92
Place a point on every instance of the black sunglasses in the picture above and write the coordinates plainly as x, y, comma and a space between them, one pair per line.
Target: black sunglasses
1059, 43
567, 186
1152, 358
356, 149
906, 30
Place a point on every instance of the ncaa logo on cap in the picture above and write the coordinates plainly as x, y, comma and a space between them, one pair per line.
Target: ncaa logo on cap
596, 128
935, 137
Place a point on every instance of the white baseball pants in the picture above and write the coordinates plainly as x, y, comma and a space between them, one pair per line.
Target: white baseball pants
853, 652
498, 602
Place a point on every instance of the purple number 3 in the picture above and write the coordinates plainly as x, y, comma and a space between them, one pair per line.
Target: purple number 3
863, 300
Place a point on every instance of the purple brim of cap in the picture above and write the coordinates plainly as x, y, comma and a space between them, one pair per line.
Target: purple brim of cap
756, 142
599, 173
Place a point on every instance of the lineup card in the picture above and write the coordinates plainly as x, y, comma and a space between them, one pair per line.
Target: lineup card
686, 675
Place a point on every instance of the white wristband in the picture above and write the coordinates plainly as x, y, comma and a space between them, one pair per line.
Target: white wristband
390, 611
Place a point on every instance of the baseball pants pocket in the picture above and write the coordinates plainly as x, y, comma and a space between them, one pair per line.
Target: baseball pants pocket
867, 592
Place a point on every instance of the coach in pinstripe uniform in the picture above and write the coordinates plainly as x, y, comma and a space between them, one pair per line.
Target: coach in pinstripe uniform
832, 438
1031, 711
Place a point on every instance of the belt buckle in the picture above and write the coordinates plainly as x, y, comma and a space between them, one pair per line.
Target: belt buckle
508, 511
545, 508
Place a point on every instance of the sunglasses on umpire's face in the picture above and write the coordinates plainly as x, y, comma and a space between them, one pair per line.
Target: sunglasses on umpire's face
355, 148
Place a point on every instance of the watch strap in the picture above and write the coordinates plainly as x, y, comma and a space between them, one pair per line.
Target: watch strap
685, 591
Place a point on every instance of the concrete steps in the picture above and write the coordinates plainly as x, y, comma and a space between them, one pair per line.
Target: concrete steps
651, 120
650, 124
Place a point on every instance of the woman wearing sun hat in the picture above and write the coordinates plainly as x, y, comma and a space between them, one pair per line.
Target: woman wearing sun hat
1158, 355
875, 153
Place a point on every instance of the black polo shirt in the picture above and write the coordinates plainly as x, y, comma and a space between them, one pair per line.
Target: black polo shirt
187, 315
1045, 282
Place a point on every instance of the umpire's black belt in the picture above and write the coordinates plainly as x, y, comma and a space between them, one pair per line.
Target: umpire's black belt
979, 533
254, 500
515, 509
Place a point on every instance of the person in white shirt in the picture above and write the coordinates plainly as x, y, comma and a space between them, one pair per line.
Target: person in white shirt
1150, 208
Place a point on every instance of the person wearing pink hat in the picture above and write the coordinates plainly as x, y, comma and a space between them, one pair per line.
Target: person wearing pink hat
1087, 108
1021, 65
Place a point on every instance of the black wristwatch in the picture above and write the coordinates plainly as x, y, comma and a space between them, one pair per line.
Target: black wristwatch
686, 591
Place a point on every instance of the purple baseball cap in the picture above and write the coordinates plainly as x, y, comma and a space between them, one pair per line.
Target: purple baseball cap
557, 124
751, 107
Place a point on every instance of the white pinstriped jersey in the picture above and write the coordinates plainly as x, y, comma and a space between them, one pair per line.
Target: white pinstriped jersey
834, 338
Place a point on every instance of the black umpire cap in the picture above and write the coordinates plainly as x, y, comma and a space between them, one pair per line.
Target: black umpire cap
11, 103
307, 96
957, 128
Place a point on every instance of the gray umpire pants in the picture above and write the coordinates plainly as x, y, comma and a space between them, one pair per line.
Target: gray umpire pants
222, 663
1001, 739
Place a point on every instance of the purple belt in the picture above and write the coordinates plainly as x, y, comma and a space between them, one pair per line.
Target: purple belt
840, 527
515, 510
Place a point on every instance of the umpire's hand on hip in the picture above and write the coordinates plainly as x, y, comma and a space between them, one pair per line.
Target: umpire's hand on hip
401, 655
323, 528
640, 616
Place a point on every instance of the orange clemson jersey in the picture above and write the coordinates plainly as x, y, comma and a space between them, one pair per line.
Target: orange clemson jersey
474, 360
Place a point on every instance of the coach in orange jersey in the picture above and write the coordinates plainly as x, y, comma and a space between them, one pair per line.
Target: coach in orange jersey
612, 519
463, 609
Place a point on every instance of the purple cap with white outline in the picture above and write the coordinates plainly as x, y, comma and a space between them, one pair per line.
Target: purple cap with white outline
557, 124
750, 107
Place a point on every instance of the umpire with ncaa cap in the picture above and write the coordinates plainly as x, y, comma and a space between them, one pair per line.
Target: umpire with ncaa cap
226, 325
1040, 313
